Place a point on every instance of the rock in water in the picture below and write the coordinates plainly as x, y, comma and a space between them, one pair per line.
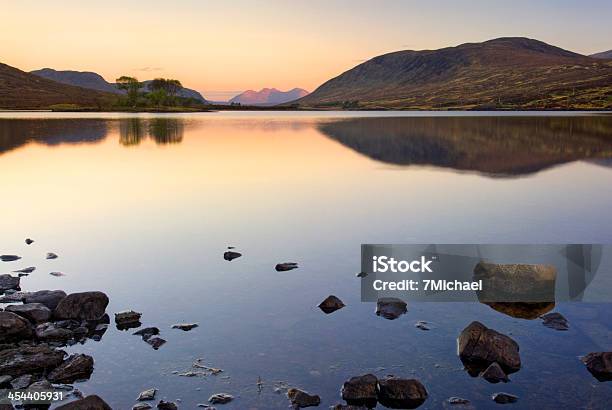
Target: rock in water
348, 407
479, 346
57, 274
141, 406
220, 398
166, 405
390, 308
26, 270
9, 258
147, 332
127, 319
50, 332
515, 282
148, 394
555, 321
361, 390
8, 282
34, 312
504, 398
599, 364
51, 255
49, 298
22, 382
82, 306
527, 310
231, 255
184, 326
494, 374
300, 399
285, 266
76, 367
457, 400
13, 327
29, 241
421, 324
29, 360
331, 304
398, 393
92, 402
155, 342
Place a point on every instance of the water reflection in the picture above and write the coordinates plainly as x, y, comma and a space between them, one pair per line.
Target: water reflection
496, 146
133, 131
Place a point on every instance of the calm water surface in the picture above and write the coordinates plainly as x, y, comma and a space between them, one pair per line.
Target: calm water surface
143, 207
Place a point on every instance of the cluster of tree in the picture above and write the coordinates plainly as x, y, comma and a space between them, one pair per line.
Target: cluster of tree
161, 92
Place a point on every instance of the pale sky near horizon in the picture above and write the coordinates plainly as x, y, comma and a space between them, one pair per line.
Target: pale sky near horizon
222, 48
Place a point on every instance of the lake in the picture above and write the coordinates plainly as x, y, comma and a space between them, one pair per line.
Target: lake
143, 207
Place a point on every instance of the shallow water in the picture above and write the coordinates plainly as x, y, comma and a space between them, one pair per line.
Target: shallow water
143, 207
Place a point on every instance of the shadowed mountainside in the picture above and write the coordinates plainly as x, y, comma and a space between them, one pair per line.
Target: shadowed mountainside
603, 54
505, 73
494, 146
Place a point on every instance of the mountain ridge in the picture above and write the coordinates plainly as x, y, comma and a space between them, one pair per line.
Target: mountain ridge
268, 96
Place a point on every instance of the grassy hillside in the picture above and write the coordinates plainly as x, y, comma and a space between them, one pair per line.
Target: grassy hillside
505, 73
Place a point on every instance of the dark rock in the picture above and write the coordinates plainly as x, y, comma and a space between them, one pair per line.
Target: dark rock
92, 402
29, 241
166, 405
13, 297
50, 332
76, 367
41, 385
555, 321
390, 308
155, 342
5, 381
57, 274
515, 282
479, 346
361, 390
401, 393
494, 374
34, 312
51, 255
285, 266
8, 282
522, 310
421, 325
83, 305
26, 270
599, 364
457, 400
504, 398
185, 326
13, 327
148, 394
141, 406
300, 399
347, 407
29, 360
231, 255
49, 298
9, 258
127, 319
147, 332
331, 304
220, 398
22, 381
362, 274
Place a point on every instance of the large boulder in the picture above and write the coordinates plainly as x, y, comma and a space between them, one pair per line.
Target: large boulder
8, 282
83, 306
92, 402
34, 312
515, 282
76, 367
599, 364
13, 327
396, 393
300, 399
52, 332
29, 360
49, 298
361, 390
479, 346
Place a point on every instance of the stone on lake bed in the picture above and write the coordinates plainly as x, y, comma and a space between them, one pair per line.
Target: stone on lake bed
9, 258
92, 402
331, 304
82, 305
361, 390
555, 321
231, 255
220, 398
184, 326
504, 398
399, 393
49, 298
494, 374
599, 364
166, 405
13, 327
8, 282
76, 367
515, 282
34, 312
285, 266
148, 394
51, 255
29, 269
141, 406
155, 342
390, 308
300, 399
29, 241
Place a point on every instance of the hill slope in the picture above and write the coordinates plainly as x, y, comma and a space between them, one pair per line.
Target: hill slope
503, 73
268, 96
603, 54
94, 81
21, 90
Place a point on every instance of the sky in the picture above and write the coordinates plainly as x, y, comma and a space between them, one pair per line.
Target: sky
222, 48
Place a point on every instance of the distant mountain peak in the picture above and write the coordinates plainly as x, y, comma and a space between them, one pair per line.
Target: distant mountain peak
268, 96
603, 54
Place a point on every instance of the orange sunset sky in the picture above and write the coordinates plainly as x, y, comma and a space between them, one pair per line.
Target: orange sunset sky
221, 48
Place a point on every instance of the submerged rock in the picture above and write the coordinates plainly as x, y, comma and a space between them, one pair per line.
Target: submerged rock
422, 325
300, 399
142, 406
92, 402
504, 398
331, 304
231, 255
34, 312
148, 394
555, 321
457, 400
185, 326
29, 360
51, 255
494, 374
147, 332
8, 282
76, 367
515, 282
166, 405
155, 342
82, 305
220, 398
398, 393
522, 310
49, 298
13, 327
285, 266
390, 308
29, 241
479, 346
9, 258
361, 390
27, 270
599, 364
347, 407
